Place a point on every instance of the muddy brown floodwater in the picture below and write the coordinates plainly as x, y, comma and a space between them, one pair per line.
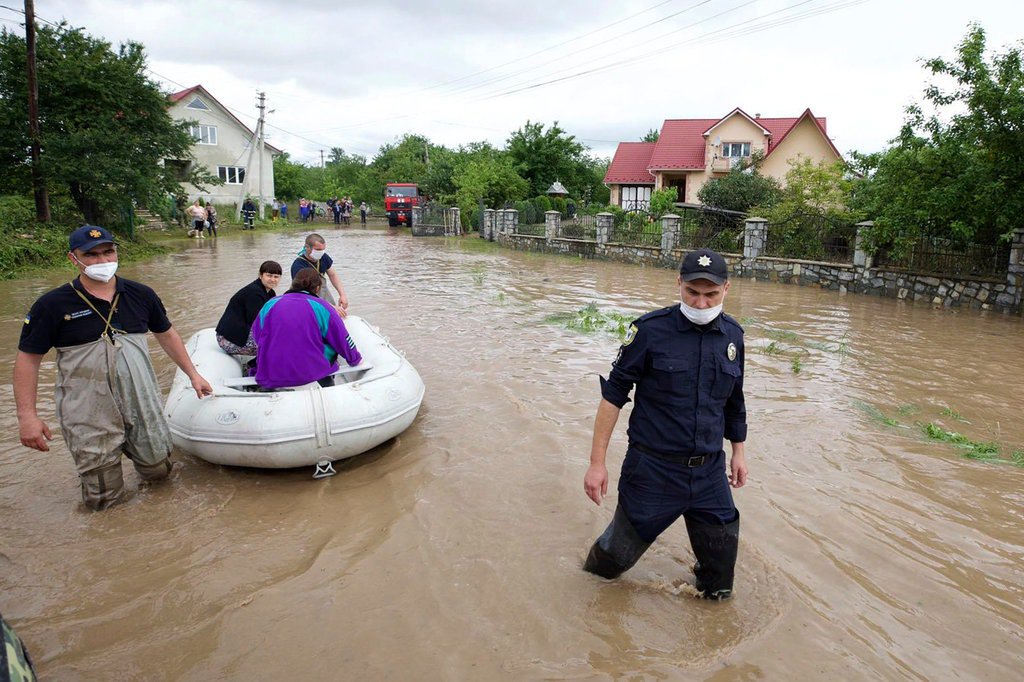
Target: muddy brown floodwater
454, 552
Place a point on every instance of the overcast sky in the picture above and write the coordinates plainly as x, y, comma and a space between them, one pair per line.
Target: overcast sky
356, 75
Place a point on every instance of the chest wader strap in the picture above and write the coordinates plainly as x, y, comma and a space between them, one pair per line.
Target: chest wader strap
108, 331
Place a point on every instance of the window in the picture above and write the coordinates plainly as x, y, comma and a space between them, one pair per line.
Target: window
197, 103
735, 149
231, 175
635, 197
204, 134
179, 168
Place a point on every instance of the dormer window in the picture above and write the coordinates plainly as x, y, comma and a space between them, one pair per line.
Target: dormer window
197, 103
735, 149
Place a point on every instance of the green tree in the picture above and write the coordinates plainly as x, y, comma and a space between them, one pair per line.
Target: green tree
493, 179
289, 181
651, 135
104, 124
403, 161
816, 189
663, 201
956, 170
742, 187
543, 156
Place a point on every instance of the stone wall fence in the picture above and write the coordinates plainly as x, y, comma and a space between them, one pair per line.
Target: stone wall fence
860, 276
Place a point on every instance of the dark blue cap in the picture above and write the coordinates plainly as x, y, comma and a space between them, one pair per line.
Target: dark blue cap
89, 236
704, 264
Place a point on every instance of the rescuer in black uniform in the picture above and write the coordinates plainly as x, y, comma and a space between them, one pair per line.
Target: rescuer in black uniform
686, 362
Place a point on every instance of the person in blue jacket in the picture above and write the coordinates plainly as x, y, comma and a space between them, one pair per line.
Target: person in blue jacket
686, 363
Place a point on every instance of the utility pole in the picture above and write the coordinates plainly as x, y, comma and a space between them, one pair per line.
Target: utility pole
322, 158
259, 130
38, 182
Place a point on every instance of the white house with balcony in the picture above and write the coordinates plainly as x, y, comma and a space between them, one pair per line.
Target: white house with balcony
226, 147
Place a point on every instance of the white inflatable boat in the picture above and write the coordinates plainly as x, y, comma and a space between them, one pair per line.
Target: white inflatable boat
302, 426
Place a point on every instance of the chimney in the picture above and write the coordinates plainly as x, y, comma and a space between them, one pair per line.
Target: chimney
757, 115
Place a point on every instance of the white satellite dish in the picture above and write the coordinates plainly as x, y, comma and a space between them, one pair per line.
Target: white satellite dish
718, 140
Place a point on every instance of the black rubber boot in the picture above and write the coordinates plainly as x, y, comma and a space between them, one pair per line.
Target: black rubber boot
715, 547
617, 550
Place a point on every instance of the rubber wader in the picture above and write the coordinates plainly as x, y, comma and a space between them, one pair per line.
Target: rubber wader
618, 548
715, 546
108, 402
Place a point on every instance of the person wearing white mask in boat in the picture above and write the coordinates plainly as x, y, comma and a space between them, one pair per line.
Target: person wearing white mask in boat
107, 398
686, 362
314, 255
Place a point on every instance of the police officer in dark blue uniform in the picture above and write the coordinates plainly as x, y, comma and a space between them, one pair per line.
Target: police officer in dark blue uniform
686, 362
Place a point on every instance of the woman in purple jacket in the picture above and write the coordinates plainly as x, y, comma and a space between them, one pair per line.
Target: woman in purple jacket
300, 337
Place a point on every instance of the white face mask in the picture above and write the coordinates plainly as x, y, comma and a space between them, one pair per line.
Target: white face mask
101, 272
700, 315
317, 254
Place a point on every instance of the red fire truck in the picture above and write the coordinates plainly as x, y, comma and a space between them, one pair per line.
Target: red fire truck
399, 198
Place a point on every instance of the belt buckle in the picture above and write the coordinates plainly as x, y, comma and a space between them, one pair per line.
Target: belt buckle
695, 461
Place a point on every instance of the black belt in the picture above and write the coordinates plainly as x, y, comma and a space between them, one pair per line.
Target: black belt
686, 460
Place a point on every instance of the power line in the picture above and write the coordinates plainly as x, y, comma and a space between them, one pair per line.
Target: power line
522, 87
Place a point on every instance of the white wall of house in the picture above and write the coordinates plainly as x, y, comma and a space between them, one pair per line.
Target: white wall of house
223, 148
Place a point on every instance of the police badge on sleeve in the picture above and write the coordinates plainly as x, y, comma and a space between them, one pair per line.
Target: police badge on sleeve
731, 351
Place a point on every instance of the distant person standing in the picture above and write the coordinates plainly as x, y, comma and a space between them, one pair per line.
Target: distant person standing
275, 209
284, 211
248, 214
363, 210
211, 218
197, 214
336, 209
303, 209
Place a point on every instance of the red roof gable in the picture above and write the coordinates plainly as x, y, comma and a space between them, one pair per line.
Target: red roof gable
776, 138
200, 90
630, 163
682, 145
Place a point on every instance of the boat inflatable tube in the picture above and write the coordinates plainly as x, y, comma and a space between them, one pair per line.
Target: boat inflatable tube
293, 427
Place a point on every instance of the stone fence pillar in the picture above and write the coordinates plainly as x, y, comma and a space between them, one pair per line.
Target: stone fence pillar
453, 226
1015, 273
755, 237
417, 216
552, 224
511, 220
669, 234
605, 224
488, 229
861, 258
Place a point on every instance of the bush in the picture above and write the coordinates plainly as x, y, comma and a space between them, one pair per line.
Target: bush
543, 203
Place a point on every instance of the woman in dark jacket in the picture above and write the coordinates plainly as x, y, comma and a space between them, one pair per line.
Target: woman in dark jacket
234, 331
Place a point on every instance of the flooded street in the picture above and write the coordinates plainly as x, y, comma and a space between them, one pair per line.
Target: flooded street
454, 552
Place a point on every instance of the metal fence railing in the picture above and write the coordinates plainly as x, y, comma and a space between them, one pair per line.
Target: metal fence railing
579, 227
808, 236
534, 230
636, 228
940, 256
712, 228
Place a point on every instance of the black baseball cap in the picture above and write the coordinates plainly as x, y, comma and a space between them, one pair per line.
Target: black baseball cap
704, 264
89, 236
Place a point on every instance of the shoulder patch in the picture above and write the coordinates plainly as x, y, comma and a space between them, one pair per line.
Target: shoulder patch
630, 335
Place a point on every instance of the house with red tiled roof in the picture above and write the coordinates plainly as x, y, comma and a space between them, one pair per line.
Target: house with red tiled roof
225, 146
691, 151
